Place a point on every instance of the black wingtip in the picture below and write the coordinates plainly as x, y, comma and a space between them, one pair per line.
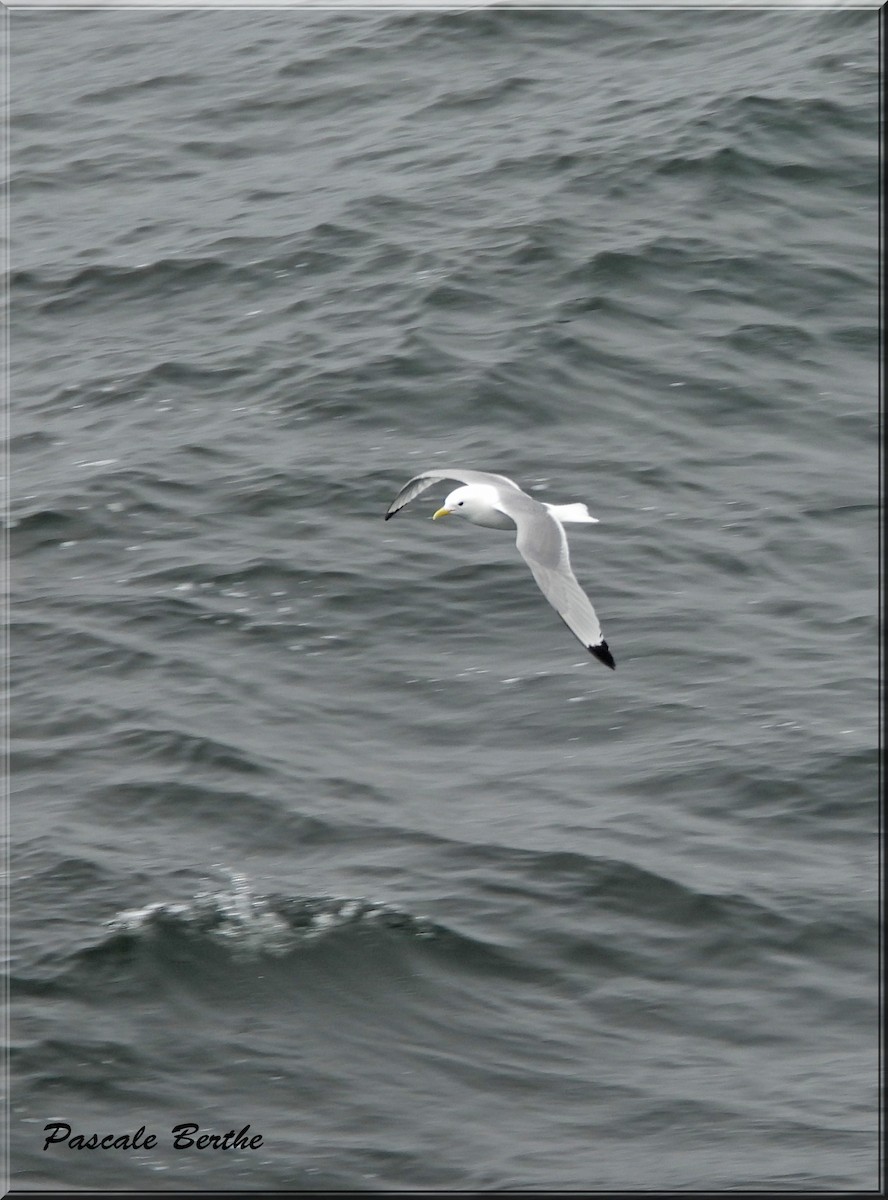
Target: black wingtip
604, 655
387, 515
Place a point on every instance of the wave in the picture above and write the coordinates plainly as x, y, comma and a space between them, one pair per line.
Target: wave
251, 924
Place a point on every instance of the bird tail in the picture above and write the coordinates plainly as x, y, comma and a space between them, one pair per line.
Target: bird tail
578, 514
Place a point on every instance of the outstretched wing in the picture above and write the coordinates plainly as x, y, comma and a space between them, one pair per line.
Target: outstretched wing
543, 545
419, 483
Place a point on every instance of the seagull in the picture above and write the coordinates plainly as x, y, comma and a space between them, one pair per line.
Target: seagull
499, 503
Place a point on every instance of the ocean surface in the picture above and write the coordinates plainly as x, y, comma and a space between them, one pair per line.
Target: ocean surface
327, 826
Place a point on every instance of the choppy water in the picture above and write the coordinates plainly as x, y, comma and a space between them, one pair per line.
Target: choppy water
326, 825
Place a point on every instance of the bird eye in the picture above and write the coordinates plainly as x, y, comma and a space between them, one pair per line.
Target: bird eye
460, 504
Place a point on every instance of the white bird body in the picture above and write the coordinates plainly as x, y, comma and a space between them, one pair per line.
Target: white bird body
577, 513
498, 503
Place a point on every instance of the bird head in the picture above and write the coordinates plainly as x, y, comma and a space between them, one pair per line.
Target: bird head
472, 501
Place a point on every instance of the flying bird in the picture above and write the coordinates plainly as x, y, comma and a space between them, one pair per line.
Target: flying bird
499, 503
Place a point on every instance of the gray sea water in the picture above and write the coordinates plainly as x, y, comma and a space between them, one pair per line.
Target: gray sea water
326, 826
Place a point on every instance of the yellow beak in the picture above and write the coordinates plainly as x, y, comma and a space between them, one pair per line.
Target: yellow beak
442, 512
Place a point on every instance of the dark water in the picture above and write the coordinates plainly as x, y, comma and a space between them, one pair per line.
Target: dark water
328, 826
